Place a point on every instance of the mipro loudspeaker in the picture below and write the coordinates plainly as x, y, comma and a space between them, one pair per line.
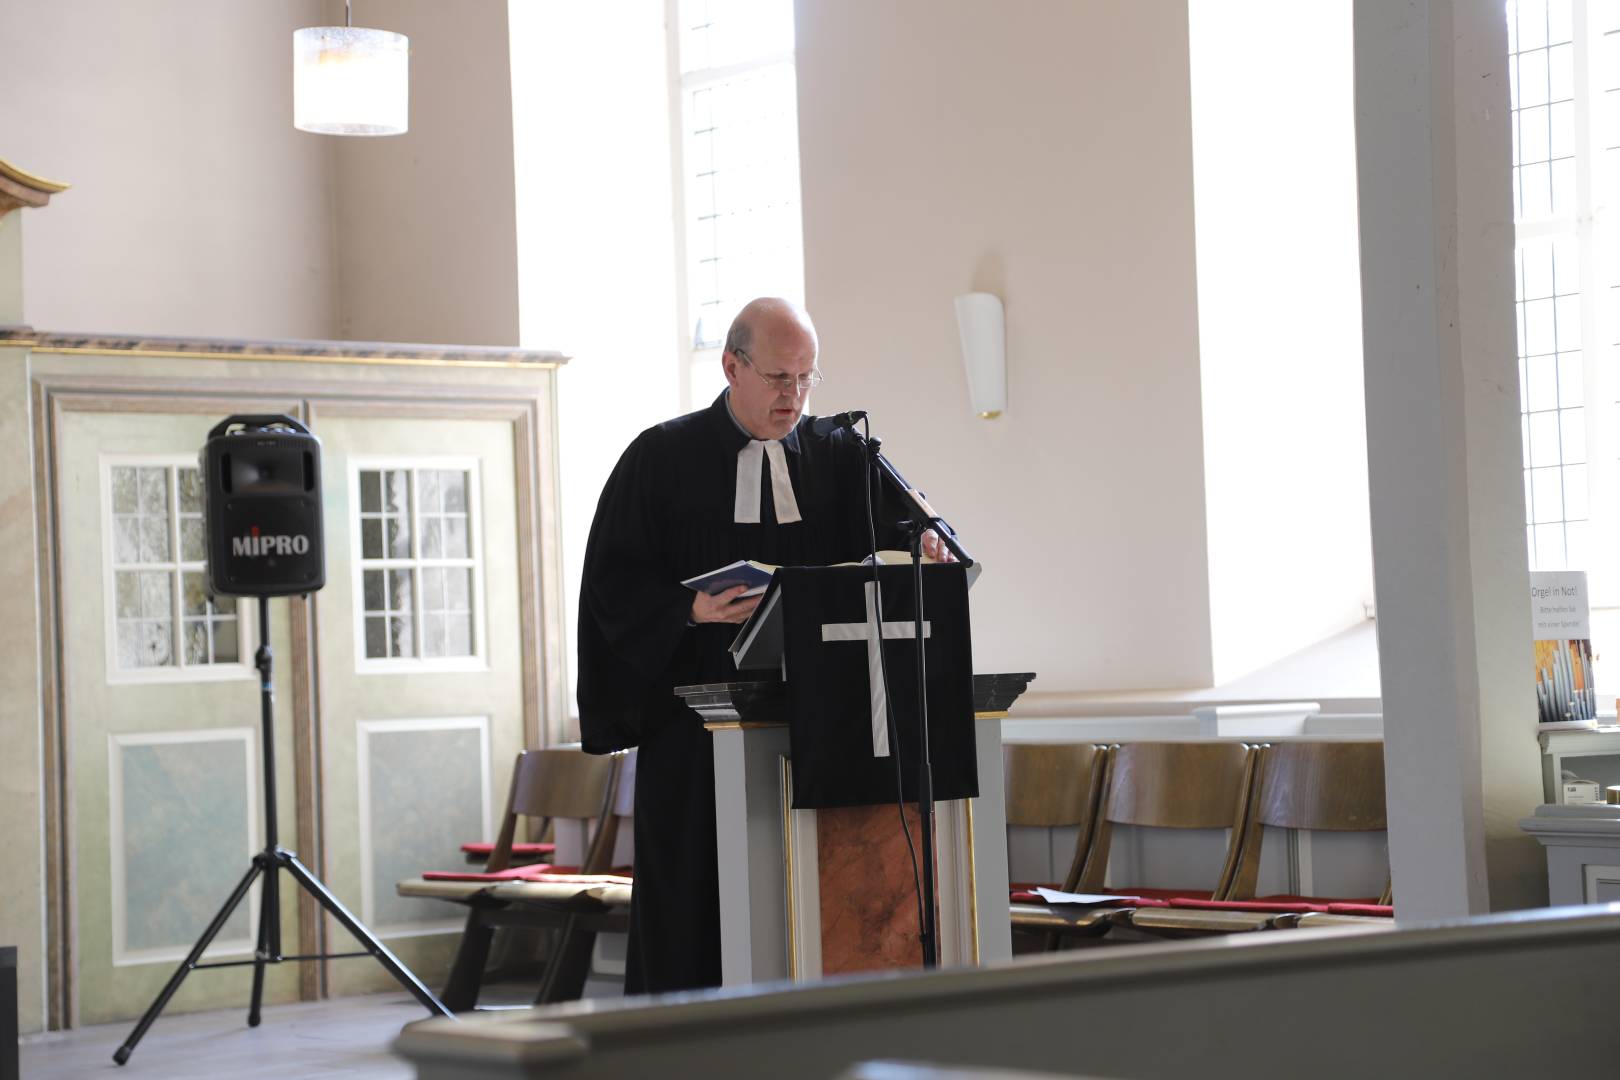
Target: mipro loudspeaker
262, 507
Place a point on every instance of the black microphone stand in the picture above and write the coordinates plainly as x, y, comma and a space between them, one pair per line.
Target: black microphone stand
920, 519
269, 862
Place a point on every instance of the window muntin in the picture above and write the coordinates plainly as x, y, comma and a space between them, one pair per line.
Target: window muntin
1564, 81
164, 624
739, 174
418, 568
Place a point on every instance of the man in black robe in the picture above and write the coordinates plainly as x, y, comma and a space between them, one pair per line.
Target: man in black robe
745, 478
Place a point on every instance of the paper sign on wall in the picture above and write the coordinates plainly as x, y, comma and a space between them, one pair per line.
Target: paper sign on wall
1562, 626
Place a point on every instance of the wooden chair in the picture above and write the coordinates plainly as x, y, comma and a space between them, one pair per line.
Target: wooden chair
1329, 786
1171, 785
548, 785
552, 784
1055, 785
580, 910
1332, 786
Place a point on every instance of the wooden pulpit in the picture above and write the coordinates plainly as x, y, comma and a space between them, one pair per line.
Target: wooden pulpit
811, 893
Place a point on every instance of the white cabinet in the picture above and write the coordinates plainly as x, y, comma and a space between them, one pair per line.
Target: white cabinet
1590, 753
1583, 852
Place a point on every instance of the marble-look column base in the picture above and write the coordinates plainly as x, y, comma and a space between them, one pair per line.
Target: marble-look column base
869, 906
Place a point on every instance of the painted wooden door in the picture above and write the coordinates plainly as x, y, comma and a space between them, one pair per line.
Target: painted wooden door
420, 668
160, 708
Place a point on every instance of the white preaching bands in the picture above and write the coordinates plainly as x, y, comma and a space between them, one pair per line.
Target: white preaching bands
868, 632
748, 470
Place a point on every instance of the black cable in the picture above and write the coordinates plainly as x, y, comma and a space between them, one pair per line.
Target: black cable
888, 701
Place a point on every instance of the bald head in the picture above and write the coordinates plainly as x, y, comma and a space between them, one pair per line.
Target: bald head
770, 346
771, 320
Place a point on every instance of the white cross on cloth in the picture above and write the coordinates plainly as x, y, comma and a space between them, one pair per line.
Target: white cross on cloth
748, 470
868, 632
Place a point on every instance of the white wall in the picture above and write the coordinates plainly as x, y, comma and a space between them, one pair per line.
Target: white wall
196, 208
595, 234
1043, 152
426, 221
1279, 325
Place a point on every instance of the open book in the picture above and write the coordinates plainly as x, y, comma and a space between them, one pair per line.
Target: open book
756, 575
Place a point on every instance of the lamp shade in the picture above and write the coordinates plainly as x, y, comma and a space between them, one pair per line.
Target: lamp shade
348, 80
983, 324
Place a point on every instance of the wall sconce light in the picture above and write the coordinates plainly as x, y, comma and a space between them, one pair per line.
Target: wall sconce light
983, 324
348, 80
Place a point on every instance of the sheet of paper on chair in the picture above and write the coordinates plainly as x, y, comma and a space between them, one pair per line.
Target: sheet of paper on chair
1053, 896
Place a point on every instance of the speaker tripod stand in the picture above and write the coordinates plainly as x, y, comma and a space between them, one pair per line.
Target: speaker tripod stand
270, 862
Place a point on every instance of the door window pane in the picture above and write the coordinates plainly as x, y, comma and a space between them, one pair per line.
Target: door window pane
418, 563
163, 614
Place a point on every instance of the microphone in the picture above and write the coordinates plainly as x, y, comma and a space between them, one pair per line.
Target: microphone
826, 425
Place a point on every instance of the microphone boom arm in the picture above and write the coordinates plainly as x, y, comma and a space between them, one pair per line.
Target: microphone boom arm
912, 498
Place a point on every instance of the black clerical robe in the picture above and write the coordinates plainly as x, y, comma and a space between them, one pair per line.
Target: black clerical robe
666, 514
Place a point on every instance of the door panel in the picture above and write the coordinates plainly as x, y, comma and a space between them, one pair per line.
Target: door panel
419, 667
160, 717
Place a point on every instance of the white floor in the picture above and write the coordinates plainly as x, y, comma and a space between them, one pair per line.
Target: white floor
346, 1037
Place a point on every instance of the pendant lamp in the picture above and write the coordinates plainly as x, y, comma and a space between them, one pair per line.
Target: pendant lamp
348, 80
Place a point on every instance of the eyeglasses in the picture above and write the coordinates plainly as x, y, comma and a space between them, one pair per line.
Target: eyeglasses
785, 383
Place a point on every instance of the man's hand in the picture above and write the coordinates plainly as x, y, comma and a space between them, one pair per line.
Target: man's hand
934, 548
728, 606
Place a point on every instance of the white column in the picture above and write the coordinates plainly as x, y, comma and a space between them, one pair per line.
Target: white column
1444, 457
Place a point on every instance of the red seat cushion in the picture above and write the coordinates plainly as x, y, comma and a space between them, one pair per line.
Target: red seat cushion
517, 849
1024, 893
1026, 896
516, 873
1382, 910
1168, 896
1270, 906
1286, 904
562, 875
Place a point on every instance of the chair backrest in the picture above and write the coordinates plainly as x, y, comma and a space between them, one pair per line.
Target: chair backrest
562, 784
1174, 785
1055, 785
1052, 784
1322, 785
1336, 786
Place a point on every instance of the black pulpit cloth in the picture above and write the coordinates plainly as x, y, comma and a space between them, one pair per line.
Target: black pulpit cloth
828, 615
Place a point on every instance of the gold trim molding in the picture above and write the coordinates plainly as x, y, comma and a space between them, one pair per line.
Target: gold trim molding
285, 351
785, 770
21, 176
973, 883
19, 188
